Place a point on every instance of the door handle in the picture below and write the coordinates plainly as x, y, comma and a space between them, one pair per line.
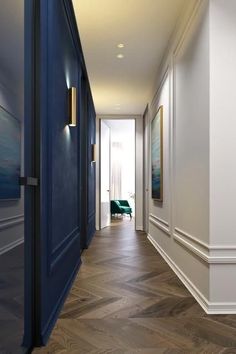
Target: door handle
29, 181
108, 190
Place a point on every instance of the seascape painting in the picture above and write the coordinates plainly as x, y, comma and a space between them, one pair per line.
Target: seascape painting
156, 155
9, 156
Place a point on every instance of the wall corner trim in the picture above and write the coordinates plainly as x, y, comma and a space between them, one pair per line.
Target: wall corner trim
211, 308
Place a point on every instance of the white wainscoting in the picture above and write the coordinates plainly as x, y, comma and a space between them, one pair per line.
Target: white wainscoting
208, 307
212, 254
11, 222
160, 223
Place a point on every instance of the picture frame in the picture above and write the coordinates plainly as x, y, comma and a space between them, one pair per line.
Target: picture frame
157, 155
10, 156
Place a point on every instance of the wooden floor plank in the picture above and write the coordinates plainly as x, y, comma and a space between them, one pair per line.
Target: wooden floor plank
126, 300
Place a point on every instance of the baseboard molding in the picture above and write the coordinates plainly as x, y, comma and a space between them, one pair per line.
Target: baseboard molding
139, 228
11, 245
209, 307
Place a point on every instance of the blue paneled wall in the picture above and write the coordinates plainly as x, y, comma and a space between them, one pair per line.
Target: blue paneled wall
64, 215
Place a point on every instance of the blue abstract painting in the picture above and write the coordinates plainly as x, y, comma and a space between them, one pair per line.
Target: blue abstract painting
9, 156
156, 155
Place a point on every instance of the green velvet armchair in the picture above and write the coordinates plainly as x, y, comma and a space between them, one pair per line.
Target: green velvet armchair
121, 207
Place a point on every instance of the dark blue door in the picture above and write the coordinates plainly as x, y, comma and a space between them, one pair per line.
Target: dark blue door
54, 64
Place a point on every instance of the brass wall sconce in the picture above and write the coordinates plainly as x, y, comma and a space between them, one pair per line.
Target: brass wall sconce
72, 96
93, 158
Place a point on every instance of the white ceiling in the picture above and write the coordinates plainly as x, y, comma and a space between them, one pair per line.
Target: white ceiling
145, 27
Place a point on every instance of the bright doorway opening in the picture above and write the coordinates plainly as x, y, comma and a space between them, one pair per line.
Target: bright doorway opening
117, 170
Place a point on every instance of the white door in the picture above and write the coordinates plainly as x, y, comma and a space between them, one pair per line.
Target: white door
105, 216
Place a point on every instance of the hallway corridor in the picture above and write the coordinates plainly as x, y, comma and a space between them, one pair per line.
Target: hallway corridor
126, 299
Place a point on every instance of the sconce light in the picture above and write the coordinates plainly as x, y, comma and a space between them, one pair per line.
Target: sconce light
93, 159
72, 94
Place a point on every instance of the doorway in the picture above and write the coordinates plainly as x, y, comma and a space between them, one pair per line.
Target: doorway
117, 170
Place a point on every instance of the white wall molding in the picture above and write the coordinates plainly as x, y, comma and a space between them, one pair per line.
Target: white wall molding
187, 282
210, 254
192, 238
11, 221
188, 26
160, 87
160, 223
208, 306
11, 245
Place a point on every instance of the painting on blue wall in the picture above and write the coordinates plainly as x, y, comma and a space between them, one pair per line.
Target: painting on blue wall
9, 156
157, 155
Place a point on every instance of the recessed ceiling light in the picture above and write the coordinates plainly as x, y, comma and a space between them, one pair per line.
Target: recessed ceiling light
120, 45
120, 56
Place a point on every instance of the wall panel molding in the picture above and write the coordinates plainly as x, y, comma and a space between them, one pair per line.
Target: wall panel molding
160, 87
160, 223
11, 245
62, 249
11, 221
187, 28
211, 254
208, 306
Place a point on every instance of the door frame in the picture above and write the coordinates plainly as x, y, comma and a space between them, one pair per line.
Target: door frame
31, 168
99, 174
139, 222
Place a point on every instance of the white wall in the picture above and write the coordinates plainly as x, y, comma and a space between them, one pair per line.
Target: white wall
191, 129
193, 228
179, 224
146, 162
223, 151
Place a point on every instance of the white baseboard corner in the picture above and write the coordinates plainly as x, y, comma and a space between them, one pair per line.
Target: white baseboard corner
211, 308
139, 228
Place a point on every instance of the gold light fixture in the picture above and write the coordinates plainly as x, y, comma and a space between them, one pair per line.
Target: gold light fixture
93, 158
72, 93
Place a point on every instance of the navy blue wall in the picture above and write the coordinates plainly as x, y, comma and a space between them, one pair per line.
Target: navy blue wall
65, 220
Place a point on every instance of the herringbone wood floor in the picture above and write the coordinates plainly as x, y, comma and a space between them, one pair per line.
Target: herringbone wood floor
126, 299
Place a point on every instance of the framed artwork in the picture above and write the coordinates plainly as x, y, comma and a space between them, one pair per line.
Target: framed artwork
157, 155
10, 155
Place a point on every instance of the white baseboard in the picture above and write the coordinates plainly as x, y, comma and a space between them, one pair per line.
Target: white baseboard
139, 228
11, 245
209, 307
